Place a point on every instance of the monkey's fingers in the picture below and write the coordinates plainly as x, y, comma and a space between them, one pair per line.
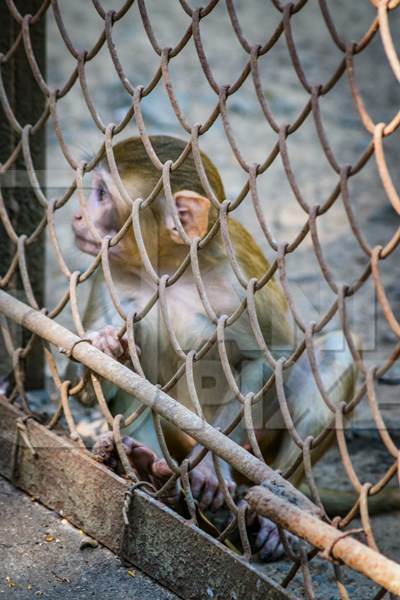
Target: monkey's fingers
268, 541
153, 469
107, 341
125, 345
146, 462
104, 450
112, 345
219, 498
141, 457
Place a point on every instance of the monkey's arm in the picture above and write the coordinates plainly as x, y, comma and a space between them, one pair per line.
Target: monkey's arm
107, 341
96, 317
204, 481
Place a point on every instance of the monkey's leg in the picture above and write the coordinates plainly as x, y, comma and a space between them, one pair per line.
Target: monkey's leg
144, 446
310, 416
221, 411
205, 486
263, 532
142, 429
309, 412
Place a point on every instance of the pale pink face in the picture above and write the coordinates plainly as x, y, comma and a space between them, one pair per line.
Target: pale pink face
101, 210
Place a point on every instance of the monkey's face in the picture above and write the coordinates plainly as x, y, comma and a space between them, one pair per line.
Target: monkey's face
105, 211
101, 213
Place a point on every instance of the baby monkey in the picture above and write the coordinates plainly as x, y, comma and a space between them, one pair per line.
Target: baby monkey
192, 325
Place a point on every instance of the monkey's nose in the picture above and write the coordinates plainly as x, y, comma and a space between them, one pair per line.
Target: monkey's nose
77, 216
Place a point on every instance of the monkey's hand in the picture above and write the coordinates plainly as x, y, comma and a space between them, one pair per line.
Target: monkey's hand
107, 341
206, 487
265, 538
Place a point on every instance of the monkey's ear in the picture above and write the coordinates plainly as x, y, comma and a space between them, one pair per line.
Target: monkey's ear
193, 210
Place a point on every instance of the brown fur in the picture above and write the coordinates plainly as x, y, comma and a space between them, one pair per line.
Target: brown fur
134, 164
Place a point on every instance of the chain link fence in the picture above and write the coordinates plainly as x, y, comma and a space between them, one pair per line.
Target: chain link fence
335, 376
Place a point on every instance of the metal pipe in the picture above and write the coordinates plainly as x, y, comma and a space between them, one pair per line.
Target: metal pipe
335, 544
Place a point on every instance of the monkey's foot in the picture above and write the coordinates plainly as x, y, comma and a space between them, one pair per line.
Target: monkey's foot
146, 462
107, 341
143, 460
265, 537
206, 487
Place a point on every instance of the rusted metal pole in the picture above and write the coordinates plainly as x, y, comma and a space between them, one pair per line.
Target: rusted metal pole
335, 543
277, 498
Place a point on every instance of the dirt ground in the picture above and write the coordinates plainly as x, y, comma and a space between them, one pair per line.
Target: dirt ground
314, 175
40, 557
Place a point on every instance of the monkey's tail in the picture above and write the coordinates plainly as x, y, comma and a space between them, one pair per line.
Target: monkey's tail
340, 502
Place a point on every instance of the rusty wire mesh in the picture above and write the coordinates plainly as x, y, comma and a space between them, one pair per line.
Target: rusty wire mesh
187, 357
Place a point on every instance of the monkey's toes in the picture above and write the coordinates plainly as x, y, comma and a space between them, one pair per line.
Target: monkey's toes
161, 470
146, 462
207, 489
268, 542
104, 450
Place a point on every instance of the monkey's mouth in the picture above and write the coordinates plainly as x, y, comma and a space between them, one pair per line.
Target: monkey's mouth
86, 245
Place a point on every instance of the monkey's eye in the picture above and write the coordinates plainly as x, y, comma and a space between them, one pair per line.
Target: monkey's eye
101, 192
